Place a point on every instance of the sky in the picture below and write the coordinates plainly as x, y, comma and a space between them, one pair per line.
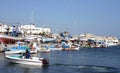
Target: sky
99, 17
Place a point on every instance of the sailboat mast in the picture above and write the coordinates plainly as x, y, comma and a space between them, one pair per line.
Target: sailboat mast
32, 22
32, 17
74, 27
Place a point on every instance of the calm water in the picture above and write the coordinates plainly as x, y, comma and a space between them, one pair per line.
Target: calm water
87, 60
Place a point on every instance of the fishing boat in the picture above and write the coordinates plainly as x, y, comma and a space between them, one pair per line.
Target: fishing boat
20, 47
44, 50
6, 39
47, 39
55, 47
71, 48
19, 51
14, 52
19, 59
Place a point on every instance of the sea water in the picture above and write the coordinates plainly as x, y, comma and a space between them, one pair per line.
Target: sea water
86, 60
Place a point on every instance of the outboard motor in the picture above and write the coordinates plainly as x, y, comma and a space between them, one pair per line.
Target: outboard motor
45, 61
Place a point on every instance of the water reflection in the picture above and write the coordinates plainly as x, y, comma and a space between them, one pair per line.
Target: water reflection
20, 68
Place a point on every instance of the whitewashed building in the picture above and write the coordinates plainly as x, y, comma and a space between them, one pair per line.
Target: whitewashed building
31, 29
25, 29
3, 28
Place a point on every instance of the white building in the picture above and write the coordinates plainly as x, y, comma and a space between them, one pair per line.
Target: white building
31, 29
27, 29
3, 28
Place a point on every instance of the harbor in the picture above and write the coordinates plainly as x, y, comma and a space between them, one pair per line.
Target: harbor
59, 36
42, 37
52, 53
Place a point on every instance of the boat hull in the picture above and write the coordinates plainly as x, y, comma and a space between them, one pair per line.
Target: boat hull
13, 52
5, 39
55, 48
19, 52
44, 51
67, 49
31, 61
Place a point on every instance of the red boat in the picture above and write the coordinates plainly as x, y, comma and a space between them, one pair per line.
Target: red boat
6, 39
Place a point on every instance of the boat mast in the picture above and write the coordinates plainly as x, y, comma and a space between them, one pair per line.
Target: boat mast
31, 22
74, 27
32, 17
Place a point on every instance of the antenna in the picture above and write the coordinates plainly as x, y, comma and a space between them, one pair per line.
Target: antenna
32, 17
74, 27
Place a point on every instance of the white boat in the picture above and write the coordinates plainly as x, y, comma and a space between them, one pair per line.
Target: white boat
71, 48
19, 51
44, 51
14, 52
31, 61
46, 39
20, 47
55, 47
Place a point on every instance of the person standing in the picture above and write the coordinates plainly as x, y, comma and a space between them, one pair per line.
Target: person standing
13, 31
7, 30
27, 54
